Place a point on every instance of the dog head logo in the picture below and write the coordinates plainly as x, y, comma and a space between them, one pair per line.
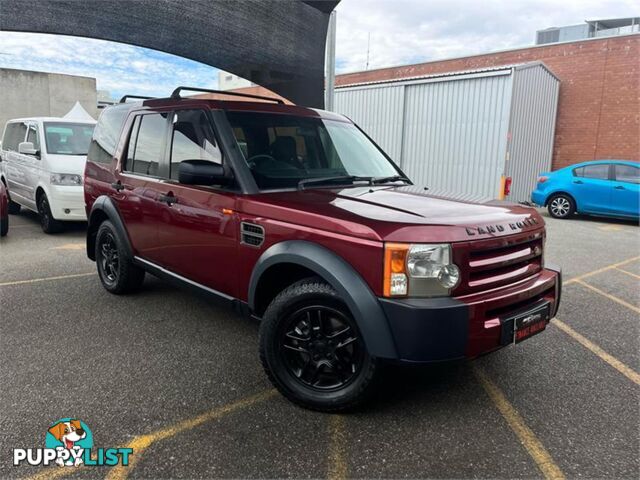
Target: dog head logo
69, 434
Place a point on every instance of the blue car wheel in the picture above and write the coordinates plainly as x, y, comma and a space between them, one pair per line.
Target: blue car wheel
561, 206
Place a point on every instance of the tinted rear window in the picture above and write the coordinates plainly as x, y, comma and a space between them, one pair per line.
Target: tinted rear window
627, 173
106, 135
600, 172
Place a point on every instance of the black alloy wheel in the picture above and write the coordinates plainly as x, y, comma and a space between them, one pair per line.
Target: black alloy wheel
109, 259
117, 272
320, 347
313, 351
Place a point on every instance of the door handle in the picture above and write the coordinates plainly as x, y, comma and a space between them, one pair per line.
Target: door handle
619, 187
169, 199
117, 186
579, 182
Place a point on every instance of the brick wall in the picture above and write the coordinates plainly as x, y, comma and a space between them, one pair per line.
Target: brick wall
599, 105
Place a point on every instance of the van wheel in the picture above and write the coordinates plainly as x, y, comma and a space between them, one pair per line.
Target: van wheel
116, 271
4, 226
47, 222
561, 206
312, 351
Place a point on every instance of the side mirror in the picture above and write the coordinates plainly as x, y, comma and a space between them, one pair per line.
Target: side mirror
201, 172
27, 148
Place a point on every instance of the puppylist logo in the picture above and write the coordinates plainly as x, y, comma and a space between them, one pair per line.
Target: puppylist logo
69, 442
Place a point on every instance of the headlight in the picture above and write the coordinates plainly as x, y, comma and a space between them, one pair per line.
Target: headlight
419, 270
65, 179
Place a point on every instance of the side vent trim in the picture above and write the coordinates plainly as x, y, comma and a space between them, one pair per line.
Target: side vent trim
251, 234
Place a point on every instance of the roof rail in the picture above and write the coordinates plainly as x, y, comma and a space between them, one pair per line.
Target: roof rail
176, 93
138, 97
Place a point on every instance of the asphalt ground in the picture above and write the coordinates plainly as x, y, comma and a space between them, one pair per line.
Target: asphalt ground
179, 381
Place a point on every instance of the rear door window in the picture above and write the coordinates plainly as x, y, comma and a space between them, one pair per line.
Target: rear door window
192, 138
146, 144
627, 174
598, 172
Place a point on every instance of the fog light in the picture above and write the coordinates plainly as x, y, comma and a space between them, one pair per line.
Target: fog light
67, 211
449, 276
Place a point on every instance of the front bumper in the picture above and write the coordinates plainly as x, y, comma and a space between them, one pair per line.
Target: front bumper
67, 203
439, 329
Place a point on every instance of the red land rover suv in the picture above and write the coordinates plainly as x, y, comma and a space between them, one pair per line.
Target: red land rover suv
294, 216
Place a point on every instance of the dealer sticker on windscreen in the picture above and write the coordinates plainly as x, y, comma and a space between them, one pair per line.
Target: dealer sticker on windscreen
530, 323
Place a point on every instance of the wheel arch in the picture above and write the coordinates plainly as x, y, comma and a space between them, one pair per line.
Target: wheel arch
300, 257
104, 209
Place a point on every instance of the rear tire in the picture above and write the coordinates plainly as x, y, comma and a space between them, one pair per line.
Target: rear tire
561, 206
312, 351
4, 226
115, 269
47, 222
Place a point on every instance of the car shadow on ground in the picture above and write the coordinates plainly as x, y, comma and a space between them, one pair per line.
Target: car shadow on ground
32, 217
594, 219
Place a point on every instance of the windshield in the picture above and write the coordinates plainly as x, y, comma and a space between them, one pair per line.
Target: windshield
284, 151
68, 138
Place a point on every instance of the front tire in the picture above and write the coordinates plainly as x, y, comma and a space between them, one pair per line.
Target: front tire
47, 222
312, 351
116, 271
561, 206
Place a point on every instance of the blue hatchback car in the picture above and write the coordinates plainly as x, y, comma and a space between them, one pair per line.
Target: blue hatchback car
602, 187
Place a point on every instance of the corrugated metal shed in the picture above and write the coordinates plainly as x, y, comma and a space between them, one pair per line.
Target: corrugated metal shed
461, 132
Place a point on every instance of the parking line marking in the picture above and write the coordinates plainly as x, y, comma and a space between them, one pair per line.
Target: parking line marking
600, 270
589, 345
337, 463
46, 279
609, 296
534, 447
142, 442
70, 246
628, 273
610, 228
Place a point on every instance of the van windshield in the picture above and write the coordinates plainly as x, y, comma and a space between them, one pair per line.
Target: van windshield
68, 138
286, 151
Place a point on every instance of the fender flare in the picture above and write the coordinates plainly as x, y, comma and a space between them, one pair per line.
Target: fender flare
103, 205
355, 292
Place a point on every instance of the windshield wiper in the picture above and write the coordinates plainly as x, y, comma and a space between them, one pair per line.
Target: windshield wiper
341, 179
393, 178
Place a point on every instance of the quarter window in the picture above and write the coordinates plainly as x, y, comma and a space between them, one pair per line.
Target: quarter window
598, 172
146, 146
627, 173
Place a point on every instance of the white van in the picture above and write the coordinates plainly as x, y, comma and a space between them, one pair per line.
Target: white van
42, 164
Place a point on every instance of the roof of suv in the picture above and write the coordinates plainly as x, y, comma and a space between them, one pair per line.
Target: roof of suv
51, 120
247, 106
